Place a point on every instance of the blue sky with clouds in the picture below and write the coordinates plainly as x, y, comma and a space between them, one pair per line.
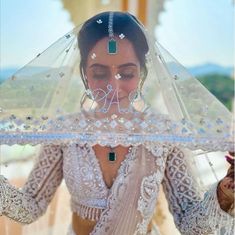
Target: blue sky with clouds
194, 31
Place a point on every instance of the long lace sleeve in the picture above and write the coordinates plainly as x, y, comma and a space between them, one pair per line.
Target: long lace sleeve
26, 204
193, 215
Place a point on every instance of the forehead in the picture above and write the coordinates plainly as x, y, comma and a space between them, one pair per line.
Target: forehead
125, 53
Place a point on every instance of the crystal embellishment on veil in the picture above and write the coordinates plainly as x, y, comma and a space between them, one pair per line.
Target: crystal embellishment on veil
109, 83
57, 103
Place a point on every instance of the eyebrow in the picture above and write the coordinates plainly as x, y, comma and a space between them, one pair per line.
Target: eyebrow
98, 65
127, 65
105, 66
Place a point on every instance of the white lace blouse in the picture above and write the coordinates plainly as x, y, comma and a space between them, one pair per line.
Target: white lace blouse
135, 189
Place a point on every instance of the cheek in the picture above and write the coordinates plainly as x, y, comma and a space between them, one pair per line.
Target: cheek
94, 84
91, 83
131, 85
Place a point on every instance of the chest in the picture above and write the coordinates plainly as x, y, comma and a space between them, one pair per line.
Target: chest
92, 165
88, 172
110, 160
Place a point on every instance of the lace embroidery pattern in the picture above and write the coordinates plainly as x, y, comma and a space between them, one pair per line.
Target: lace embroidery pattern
192, 214
117, 190
86, 212
27, 204
147, 200
160, 152
84, 181
152, 128
150, 186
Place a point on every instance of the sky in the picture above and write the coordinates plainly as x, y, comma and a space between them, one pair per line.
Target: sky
198, 31
194, 31
28, 27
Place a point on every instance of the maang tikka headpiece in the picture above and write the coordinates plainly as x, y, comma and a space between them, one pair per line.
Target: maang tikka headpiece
112, 43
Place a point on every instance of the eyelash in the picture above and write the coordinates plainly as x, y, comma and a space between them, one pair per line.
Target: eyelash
126, 76
100, 77
123, 77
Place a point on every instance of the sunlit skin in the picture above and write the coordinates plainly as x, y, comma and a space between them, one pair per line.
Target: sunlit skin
100, 72
120, 70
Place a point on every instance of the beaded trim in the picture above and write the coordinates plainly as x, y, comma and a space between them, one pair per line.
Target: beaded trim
86, 212
114, 139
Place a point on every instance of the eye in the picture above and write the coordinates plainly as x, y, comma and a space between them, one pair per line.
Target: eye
126, 76
100, 76
127, 73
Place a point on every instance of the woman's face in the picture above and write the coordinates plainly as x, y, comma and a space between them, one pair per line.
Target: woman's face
116, 75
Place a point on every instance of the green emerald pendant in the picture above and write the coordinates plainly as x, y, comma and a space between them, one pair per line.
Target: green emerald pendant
112, 46
112, 156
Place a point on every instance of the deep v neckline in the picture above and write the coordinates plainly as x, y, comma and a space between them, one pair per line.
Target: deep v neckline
98, 166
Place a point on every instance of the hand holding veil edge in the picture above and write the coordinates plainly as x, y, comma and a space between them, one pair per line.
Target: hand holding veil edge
55, 99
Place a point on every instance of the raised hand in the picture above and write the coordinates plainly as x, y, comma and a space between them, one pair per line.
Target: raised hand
226, 186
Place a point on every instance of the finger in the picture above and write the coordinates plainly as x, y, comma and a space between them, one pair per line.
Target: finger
231, 153
227, 186
230, 159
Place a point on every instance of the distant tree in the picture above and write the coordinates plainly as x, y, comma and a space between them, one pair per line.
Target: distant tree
221, 86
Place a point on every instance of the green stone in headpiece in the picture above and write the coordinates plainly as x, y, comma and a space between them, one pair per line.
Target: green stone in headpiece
112, 46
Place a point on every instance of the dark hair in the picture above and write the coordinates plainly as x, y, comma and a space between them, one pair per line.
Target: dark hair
123, 23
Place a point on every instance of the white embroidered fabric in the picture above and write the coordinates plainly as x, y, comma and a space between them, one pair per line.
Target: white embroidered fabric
25, 205
136, 187
164, 111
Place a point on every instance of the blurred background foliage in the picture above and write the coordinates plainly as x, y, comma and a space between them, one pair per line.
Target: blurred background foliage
221, 86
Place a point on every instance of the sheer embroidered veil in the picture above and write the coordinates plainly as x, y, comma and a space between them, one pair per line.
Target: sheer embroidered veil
150, 100
109, 82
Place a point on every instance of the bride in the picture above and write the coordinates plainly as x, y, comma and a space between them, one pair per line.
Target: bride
122, 141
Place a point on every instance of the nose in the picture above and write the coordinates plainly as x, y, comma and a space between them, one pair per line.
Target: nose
114, 79
113, 85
